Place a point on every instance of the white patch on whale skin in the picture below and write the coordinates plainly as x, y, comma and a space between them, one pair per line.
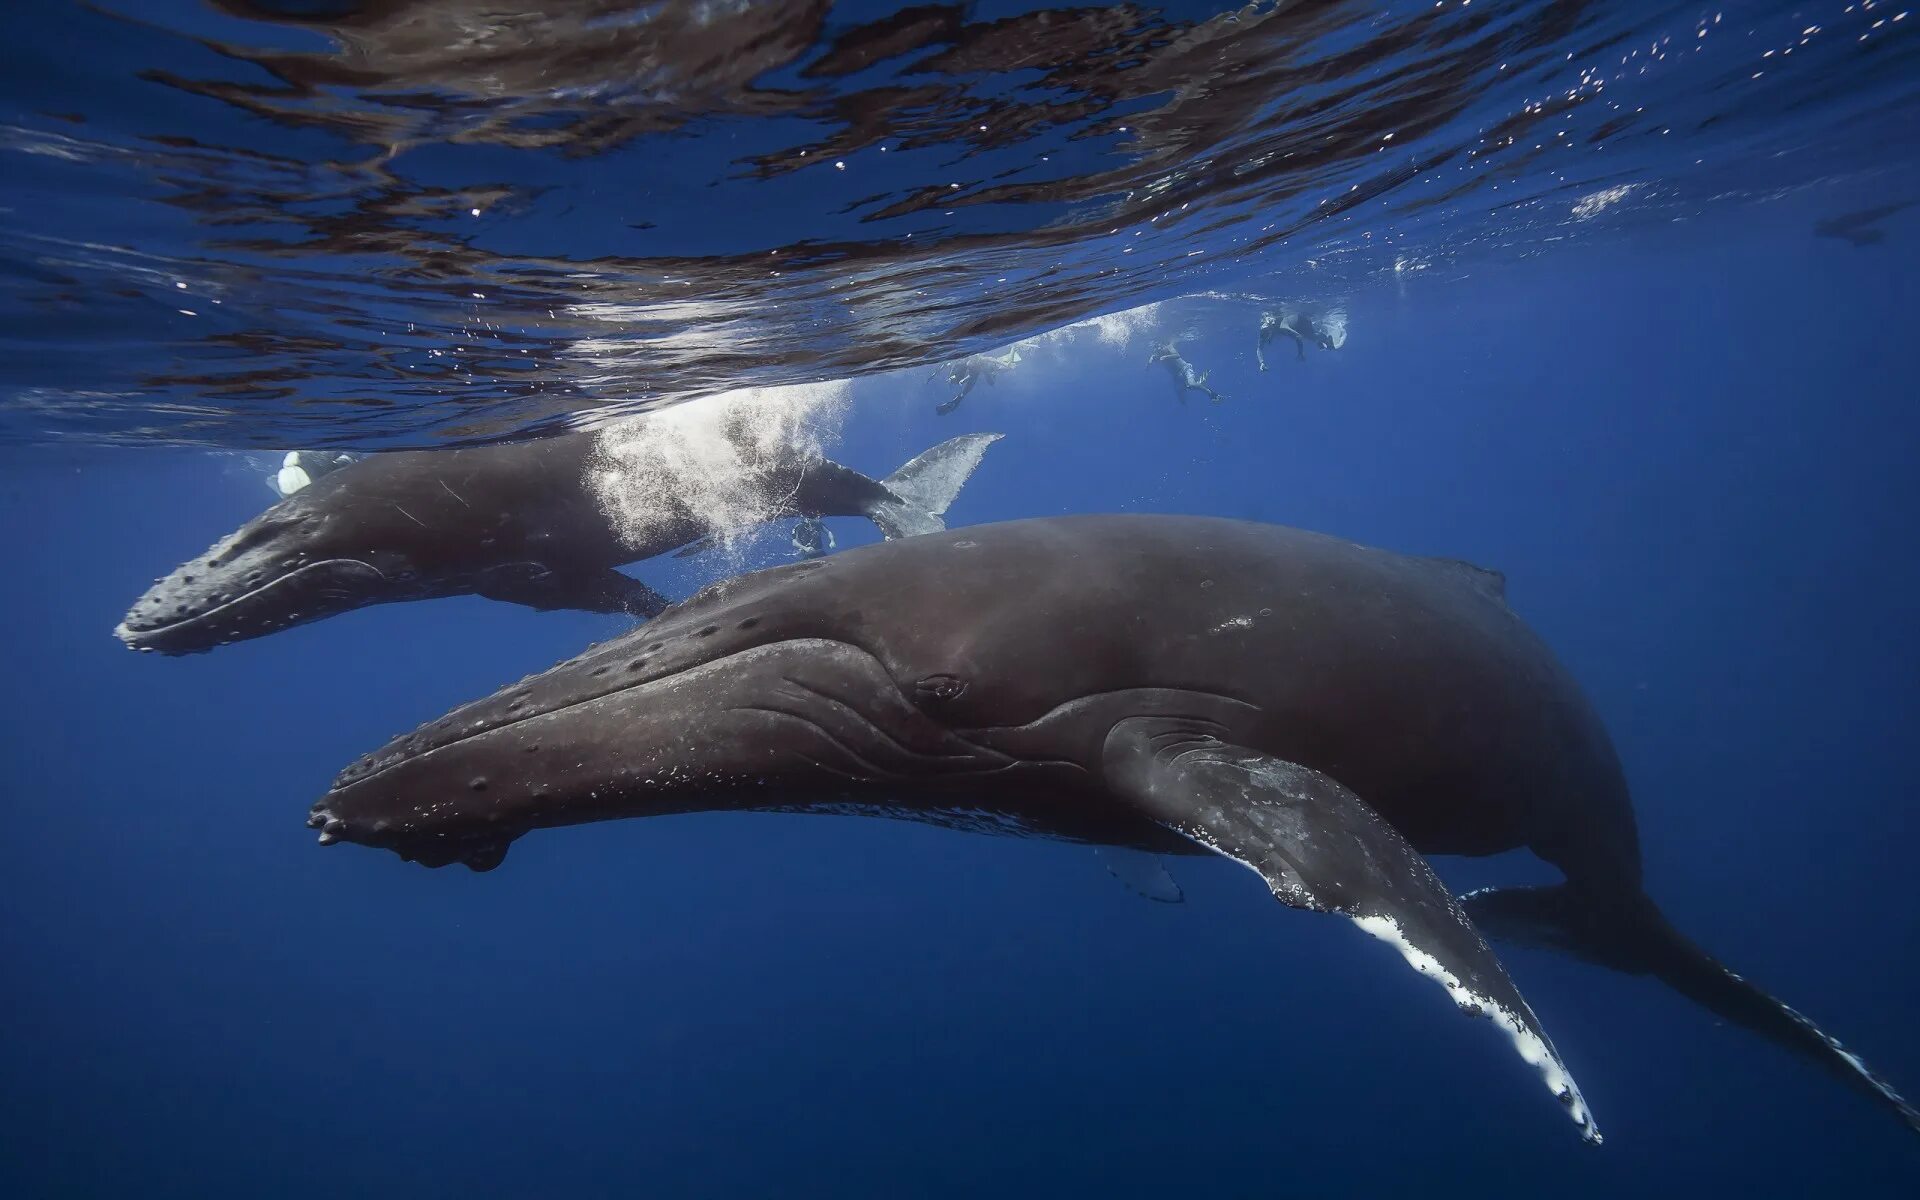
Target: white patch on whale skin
712, 464
1532, 1049
291, 477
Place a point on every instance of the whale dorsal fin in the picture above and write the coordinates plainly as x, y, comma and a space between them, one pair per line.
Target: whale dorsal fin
1320, 847
1488, 581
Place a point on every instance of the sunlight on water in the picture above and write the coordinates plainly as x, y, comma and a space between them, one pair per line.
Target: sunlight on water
1117, 330
408, 222
1595, 203
709, 463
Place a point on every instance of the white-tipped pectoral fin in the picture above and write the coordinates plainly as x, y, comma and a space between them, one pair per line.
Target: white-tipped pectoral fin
1318, 846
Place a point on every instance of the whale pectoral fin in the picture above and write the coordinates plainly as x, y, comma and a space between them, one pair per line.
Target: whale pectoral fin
1141, 872
545, 590
692, 548
628, 595
1320, 847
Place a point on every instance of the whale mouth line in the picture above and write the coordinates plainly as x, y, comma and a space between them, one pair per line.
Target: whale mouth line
674, 679
133, 635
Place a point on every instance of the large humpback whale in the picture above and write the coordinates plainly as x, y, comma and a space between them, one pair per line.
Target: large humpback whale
1321, 712
525, 522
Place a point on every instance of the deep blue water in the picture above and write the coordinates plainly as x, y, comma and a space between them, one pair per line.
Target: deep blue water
1687, 441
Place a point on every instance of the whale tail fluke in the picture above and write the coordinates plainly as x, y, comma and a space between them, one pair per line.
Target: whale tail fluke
1635, 938
919, 493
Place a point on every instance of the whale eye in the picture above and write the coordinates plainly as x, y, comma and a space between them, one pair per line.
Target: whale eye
939, 689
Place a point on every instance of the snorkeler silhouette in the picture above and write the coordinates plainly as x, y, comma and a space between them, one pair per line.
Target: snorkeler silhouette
1327, 330
1185, 378
811, 538
971, 370
301, 467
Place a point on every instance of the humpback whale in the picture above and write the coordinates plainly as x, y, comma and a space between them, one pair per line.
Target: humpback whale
524, 522
1326, 714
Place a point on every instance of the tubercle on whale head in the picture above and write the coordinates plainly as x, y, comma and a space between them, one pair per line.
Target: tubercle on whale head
454, 791
292, 564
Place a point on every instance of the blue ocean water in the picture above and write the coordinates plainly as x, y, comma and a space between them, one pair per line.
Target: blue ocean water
1681, 424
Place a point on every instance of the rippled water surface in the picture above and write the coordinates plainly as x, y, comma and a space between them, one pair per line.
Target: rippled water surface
244, 222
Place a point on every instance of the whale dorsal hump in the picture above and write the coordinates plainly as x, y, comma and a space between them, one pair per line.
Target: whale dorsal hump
1488, 582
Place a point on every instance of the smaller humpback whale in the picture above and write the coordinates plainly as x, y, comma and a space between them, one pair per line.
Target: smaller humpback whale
971, 370
1185, 378
520, 522
1325, 714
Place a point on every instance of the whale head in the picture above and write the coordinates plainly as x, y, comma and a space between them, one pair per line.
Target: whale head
757, 693
306, 558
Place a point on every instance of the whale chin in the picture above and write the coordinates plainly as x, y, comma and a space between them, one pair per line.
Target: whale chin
622, 733
191, 614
